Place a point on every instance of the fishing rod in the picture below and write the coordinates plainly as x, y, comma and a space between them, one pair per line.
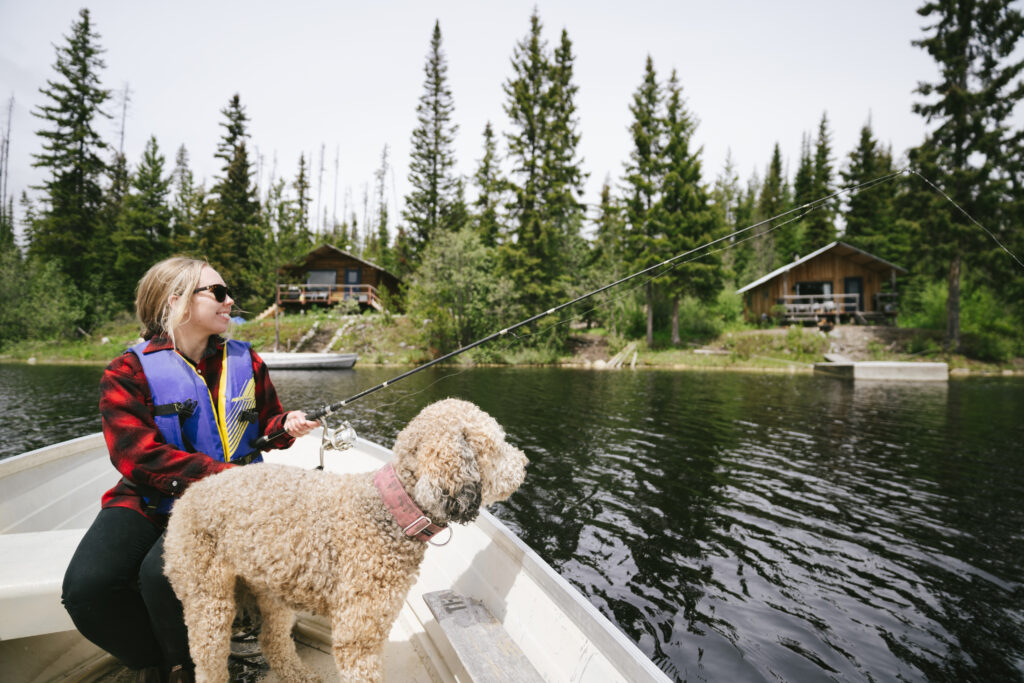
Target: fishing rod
328, 410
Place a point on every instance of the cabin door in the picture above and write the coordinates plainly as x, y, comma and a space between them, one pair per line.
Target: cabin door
854, 285
352, 277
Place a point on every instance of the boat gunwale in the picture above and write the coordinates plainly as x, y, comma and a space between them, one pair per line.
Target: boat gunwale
616, 647
61, 450
609, 639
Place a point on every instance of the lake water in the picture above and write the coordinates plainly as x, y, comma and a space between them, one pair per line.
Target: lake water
737, 527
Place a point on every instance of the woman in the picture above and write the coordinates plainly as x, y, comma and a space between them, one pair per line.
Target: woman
182, 405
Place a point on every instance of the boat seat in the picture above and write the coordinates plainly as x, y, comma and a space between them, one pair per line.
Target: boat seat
32, 569
483, 646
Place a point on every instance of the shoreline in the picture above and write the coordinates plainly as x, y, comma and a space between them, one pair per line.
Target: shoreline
793, 367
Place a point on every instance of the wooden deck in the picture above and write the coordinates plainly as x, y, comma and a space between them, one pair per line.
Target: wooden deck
801, 308
328, 295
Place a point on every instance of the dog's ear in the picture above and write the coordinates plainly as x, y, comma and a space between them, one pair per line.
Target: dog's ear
449, 486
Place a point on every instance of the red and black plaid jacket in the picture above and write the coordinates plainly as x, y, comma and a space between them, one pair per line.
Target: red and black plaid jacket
138, 449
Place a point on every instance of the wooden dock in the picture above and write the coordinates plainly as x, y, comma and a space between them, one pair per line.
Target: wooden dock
892, 371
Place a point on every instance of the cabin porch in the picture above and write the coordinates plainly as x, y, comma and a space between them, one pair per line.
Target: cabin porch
328, 295
800, 308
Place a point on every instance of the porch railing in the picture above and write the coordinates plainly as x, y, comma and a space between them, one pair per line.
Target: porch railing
815, 306
329, 295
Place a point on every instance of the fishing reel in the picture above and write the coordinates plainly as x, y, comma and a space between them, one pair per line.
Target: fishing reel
340, 438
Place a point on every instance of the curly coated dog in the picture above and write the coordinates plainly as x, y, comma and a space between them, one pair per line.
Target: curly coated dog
327, 543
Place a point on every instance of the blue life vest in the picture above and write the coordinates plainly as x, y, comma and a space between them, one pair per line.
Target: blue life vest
191, 418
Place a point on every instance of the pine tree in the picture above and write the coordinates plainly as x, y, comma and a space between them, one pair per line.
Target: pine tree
821, 228
490, 193
235, 218
65, 229
142, 235
434, 203
974, 43
685, 213
644, 176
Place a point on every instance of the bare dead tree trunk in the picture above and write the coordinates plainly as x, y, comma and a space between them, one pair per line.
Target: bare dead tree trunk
650, 315
675, 321
320, 185
953, 305
5, 157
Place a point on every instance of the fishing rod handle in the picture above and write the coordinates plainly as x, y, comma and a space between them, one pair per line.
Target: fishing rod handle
264, 441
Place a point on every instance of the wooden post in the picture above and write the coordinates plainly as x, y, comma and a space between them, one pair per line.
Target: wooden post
277, 313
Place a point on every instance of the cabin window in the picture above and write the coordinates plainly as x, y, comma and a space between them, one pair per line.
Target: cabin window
322, 277
816, 289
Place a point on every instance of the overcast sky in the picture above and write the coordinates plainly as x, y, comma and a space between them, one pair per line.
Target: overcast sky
347, 75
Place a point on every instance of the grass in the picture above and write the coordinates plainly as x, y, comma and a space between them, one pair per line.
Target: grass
396, 340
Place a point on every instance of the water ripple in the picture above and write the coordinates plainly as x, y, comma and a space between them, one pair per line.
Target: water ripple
749, 528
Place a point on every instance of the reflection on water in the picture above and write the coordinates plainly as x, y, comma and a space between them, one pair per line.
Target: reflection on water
748, 527
45, 404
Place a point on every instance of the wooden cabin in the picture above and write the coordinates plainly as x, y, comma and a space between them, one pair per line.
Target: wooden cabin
836, 282
327, 276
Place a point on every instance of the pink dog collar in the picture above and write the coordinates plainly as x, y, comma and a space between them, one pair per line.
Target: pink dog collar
412, 520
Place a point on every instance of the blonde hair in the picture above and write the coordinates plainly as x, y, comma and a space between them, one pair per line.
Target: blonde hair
175, 276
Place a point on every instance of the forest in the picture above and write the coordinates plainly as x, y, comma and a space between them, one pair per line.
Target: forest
480, 252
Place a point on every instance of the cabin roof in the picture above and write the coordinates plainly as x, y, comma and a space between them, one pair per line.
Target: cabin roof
325, 249
856, 255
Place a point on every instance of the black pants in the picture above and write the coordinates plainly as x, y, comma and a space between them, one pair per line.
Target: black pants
118, 597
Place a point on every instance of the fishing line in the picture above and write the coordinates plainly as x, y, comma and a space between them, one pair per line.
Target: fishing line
667, 265
969, 217
519, 337
633, 288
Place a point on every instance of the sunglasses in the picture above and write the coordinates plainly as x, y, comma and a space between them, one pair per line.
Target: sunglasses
220, 292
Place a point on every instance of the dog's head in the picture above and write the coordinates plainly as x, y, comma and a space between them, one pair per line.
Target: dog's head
459, 460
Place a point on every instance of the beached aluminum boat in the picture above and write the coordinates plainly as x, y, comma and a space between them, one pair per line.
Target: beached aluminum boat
49, 497
309, 361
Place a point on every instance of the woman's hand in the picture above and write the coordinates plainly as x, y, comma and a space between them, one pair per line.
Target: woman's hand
297, 425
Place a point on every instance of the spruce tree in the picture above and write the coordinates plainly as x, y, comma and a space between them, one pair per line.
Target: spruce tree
869, 213
542, 206
644, 176
434, 203
490, 193
302, 199
187, 205
726, 197
974, 43
685, 212
790, 240
7, 241
72, 158
142, 234
381, 252
772, 200
235, 218
563, 177
821, 228
610, 252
